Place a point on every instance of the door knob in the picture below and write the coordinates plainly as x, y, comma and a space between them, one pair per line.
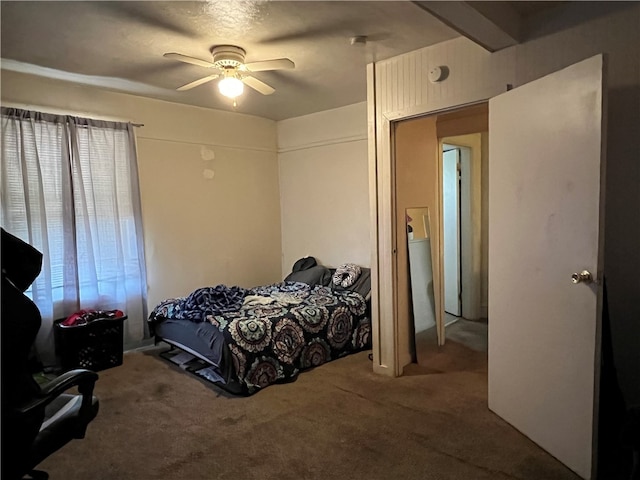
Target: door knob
582, 277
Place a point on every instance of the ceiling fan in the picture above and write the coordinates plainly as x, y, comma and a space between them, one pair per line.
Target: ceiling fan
228, 64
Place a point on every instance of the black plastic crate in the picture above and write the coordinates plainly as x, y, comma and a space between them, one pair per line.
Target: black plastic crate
96, 345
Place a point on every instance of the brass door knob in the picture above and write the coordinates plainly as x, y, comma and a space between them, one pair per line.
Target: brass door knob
582, 277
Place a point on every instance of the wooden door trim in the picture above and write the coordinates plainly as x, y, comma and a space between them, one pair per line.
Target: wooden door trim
384, 321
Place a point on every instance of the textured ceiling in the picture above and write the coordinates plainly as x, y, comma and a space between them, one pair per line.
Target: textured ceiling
120, 45
528, 9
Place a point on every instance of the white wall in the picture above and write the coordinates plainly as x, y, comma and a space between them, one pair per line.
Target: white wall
578, 31
198, 231
324, 187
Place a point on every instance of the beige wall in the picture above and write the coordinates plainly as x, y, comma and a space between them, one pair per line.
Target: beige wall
198, 231
324, 187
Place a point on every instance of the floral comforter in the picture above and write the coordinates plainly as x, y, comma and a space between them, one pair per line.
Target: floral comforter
287, 327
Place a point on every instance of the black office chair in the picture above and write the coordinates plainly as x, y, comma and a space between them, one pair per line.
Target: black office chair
36, 420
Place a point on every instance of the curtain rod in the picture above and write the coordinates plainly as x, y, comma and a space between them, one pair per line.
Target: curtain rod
28, 108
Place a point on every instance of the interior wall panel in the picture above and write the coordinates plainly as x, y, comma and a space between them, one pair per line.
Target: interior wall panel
472, 71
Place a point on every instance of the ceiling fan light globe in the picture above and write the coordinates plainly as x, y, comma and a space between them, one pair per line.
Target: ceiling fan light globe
231, 87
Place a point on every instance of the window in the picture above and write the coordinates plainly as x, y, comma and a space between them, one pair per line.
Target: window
69, 187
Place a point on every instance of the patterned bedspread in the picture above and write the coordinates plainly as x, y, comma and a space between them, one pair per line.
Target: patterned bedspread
287, 327
275, 331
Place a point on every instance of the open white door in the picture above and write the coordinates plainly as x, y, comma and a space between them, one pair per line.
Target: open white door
545, 153
451, 230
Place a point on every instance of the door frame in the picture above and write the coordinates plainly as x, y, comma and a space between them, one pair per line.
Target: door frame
385, 338
381, 114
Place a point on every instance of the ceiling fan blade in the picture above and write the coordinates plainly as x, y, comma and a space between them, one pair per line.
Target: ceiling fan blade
258, 85
187, 59
194, 84
275, 64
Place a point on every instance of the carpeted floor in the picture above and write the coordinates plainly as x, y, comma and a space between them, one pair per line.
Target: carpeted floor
339, 420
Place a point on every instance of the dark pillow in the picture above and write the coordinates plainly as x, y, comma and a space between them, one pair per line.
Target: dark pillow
362, 284
304, 263
317, 275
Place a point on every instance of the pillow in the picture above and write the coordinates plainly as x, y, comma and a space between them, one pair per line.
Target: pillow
304, 263
346, 274
317, 275
362, 285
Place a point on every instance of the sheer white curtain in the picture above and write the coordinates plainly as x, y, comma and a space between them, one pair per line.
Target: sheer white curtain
70, 188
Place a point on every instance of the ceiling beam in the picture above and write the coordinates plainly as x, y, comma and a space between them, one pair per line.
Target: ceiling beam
492, 25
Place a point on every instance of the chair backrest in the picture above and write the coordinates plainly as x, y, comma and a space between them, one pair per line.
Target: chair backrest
20, 324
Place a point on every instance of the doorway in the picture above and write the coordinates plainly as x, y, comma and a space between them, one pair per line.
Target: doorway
465, 242
438, 167
466, 329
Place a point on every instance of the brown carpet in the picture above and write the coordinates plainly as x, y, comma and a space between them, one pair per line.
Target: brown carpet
339, 420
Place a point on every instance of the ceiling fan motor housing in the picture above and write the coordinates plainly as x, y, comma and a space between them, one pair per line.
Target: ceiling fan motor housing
227, 56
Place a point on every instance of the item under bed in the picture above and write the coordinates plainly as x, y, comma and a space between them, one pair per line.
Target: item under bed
198, 348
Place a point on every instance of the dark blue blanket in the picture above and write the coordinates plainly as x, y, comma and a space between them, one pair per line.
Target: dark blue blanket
200, 303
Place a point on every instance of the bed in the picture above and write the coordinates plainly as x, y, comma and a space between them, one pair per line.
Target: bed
246, 339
